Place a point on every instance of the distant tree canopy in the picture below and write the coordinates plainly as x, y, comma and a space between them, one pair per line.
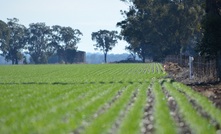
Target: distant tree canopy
106, 40
39, 40
159, 28
12, 48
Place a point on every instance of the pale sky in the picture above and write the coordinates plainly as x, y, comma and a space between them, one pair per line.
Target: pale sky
86, 15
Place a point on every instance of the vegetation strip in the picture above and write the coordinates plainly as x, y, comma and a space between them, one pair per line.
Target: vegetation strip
123, 113
131, 122
201, 111
189, 113
202, 101
181, 125
98, 125
162, 118
92, 111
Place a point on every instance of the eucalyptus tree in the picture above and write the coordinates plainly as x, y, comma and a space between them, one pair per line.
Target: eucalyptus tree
131, 51
136, 30
70, 37
210, 45
158, 28
13, 49
106, 40
65, 39
38, 42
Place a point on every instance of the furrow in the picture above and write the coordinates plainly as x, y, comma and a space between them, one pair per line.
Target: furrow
123, 113
57, 103
201, 111
96, 109
162, 117
183, 127
202, 103
147, 122
188, 112
103, 123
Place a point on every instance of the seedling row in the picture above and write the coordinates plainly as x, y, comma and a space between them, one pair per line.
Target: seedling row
89, 99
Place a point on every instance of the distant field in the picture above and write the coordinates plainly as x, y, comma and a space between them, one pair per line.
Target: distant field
95, 99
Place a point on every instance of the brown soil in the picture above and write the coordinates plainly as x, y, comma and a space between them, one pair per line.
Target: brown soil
201, 85
211, 91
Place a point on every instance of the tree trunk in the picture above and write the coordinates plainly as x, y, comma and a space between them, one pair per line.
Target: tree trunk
16, 61
143, 59
105, 57
13, 61
218, 65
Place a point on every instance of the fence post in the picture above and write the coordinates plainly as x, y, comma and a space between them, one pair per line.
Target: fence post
190, 67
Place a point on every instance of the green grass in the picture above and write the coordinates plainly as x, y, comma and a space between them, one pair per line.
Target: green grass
54, 99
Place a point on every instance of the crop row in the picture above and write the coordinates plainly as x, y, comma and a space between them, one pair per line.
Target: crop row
162, 116
44, 110
202, 101
124, 98
72, 74
118, 109
190, 115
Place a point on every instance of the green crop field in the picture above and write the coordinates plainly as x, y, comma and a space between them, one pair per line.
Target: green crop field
98, 99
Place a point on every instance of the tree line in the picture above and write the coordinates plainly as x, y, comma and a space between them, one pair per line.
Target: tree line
152, 28
38, 40
41, 41
157, 28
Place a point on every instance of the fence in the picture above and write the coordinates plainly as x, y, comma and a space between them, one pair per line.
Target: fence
203, 70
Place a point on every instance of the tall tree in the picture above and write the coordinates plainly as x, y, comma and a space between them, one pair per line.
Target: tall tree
136, 30
159, 28
65, 39
106, 40
70, 39
38, 39
210, 46
12, 49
